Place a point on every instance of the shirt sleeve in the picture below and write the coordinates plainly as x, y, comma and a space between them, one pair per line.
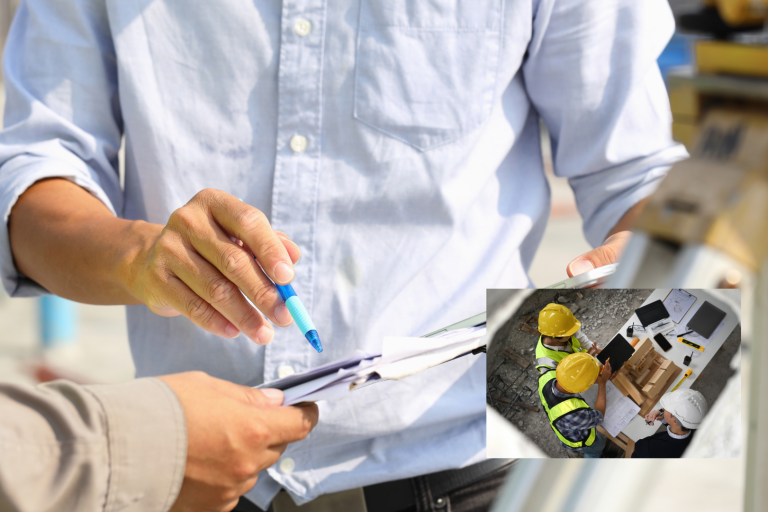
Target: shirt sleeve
70, 447
585, 342
62, 114
591, 73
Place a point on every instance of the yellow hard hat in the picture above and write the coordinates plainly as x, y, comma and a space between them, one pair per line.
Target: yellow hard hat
577, 372
557, 320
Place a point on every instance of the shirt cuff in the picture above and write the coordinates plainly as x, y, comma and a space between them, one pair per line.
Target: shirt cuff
16, 177
604, 197
145, 429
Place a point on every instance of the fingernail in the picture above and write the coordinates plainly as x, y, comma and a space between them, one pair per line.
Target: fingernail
580, 266
231, 330
283, 316
283, 273
274, 395
264, 335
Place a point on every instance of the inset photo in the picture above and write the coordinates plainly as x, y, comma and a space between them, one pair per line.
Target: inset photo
607, 373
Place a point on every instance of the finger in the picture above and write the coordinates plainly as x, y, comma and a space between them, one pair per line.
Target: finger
180, 297
288, 424
206, 281
293, 250
236, 263
608, 253
252, 227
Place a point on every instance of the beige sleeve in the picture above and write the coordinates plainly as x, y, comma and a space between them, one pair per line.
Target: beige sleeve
91, 448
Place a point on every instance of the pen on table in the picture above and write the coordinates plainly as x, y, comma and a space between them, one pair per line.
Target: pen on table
295, 308
603, 368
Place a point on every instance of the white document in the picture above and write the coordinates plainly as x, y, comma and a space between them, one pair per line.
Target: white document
678, 302
619, 409
399, 358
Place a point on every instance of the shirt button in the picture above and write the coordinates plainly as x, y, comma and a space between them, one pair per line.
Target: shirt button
302, 27
298, 143
287, 465
285, 371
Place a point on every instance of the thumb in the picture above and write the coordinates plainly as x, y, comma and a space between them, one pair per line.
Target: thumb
608, 253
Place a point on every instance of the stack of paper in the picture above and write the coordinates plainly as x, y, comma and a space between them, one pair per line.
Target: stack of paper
619, 409
399, 358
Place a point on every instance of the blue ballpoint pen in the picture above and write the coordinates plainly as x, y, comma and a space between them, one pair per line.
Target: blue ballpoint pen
295, 308
300, 315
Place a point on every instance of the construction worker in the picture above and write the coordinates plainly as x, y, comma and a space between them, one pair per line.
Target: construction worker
572, 419
561, 335
682, 412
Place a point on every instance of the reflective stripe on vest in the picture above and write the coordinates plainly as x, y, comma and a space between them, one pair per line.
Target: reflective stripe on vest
560, 407
555, 355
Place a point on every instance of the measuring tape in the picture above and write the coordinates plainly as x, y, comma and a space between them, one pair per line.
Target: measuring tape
687, 374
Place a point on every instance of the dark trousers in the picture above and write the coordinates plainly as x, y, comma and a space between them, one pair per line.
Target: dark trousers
425, 494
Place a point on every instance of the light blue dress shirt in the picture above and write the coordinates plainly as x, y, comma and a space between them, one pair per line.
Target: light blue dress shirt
395, 141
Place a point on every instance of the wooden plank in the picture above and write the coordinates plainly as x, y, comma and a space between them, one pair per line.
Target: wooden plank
633, 391
660, 378
517, 404
641, 350
517, 358
642, 376
651, 371
650, 403
527, 328
619, 386
622, 441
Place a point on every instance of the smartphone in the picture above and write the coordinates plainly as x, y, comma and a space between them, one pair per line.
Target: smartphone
662, 341
591, 279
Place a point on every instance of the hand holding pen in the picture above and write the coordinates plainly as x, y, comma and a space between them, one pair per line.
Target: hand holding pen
192, 267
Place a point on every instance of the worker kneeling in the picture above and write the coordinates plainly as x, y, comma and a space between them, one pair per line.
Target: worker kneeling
682, 412
561, 335
572, 419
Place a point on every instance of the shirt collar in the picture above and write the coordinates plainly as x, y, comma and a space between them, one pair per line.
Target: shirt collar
676, 436
557, 393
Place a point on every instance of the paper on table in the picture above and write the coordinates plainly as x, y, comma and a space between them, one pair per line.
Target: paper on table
678, 302
400, 357
622, 413
619, 409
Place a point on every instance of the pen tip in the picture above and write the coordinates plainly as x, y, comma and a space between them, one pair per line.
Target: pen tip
314, 340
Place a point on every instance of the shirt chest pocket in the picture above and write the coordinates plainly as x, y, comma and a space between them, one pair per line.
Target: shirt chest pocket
426, 70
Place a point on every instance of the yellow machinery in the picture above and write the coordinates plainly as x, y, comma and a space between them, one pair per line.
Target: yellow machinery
707, 225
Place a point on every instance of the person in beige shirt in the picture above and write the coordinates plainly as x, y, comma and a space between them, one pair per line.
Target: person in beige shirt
182, 442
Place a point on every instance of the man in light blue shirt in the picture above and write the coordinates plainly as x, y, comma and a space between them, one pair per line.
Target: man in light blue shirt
393, 144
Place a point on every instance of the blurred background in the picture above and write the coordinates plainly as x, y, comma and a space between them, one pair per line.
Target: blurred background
42, 339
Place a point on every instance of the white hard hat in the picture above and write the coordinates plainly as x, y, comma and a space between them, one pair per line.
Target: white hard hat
687, 405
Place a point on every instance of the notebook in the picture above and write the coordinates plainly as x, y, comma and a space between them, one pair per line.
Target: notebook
652, 313
706, 319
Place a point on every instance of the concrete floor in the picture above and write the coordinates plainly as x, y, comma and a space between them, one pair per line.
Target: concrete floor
602, 313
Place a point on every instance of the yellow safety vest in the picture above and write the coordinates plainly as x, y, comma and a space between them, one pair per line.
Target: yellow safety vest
547, 359
557, 407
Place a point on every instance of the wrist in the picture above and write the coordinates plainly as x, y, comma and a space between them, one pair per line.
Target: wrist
139, 239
